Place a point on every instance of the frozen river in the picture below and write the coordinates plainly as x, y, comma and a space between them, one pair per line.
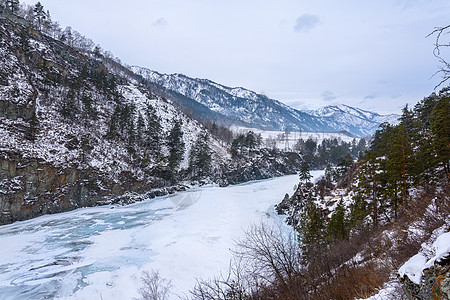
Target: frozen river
101, 252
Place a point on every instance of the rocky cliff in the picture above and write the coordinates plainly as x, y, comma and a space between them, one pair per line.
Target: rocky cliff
78, 129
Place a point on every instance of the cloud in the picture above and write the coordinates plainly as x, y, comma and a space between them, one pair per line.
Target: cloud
406, 4
306, 22
161, 22
370, 97
328, 96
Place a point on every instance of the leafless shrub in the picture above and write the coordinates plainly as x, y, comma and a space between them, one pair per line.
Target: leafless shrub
349, 282
230, 287
268, 262
154, 287
266, 266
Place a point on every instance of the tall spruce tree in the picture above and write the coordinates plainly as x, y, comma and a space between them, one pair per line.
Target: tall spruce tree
440, 126
176, 146
140, 130
311, 229
304, 174
200, 156
152, 135
13, 5
39, 14
337, 228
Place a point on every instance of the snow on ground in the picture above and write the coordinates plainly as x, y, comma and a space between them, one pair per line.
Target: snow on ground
287, 140
414, 267
100, 253
388, 291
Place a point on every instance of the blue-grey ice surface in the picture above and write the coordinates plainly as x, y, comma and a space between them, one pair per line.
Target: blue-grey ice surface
101, 252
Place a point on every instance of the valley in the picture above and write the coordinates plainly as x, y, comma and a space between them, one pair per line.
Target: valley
102, 252
121, 182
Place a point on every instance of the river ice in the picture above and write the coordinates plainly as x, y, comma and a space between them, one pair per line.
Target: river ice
101, 252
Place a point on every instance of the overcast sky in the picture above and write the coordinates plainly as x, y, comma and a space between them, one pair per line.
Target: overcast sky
368, 54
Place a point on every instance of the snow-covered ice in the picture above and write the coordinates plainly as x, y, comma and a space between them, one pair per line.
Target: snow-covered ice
101, 252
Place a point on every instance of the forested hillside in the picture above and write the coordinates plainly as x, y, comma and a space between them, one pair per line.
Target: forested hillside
360, 224
78, 128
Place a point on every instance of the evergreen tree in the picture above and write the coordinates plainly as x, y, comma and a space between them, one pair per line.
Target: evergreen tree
85, 148
329, 173
153, 132
304, 172
140, 129
399, 161
13, 5
176, 146
69, 107
343, 165
34, 127
39, 14
113, 123
369, 183
200, 156
311, 229
337, 226
88, 102
131, 136
440, 127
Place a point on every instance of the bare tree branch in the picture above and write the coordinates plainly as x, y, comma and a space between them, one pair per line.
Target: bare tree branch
440, 44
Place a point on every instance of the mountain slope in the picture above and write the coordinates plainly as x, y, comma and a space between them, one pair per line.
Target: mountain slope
74, 131
241, 106
79, 129
244, 107
355, 120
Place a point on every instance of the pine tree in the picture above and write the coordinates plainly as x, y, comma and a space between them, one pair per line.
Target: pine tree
85, 148
398, 154
200, 156
39, 14
69, 107
13, 5
34, 127
176, 146
343, 165
131, 136
140, 129
311, 229
369, 183
329, 173
152, 135
337, 226
113, 123
304, 172
440, 126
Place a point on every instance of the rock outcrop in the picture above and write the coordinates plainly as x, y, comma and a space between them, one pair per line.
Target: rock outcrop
435, 283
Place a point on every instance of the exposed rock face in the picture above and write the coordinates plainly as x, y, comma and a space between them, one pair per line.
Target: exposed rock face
31, 188
435, 283
261, 166
291, 206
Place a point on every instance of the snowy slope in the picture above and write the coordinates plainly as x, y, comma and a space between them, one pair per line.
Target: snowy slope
355, 120
68, 127
238, 104
248, 108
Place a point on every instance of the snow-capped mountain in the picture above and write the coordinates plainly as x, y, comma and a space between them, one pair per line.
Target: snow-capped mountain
354, 120
244, 107
238, 105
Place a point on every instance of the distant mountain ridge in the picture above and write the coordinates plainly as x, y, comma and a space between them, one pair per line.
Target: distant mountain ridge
240, 106
354, 119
